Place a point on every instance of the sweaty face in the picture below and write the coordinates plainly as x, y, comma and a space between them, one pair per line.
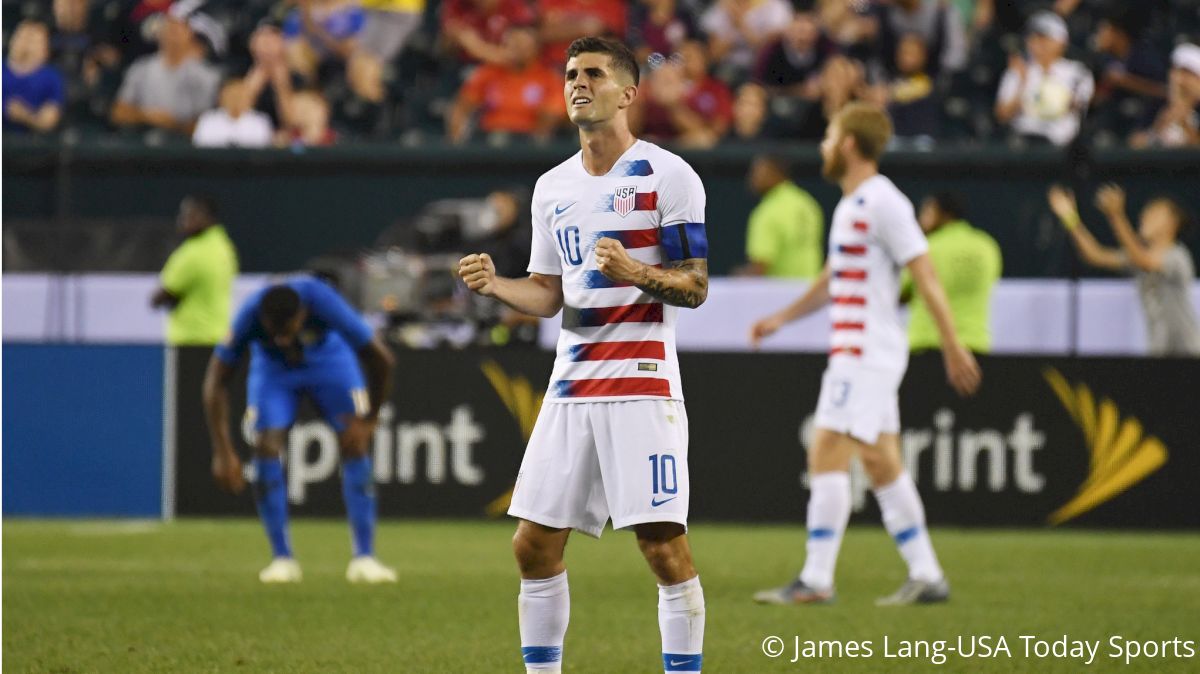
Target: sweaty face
833, 159
594, 90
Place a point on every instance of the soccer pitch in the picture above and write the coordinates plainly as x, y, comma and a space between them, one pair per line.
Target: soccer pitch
184, 597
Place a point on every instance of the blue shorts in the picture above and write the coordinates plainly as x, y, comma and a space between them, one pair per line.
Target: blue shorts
334, 384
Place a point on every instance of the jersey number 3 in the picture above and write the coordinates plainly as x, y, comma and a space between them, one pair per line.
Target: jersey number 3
568, 243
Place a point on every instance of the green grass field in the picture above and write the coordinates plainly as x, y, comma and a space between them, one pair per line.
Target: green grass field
184, 597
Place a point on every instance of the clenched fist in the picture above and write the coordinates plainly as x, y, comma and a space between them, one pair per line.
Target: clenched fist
479, 273
614, 262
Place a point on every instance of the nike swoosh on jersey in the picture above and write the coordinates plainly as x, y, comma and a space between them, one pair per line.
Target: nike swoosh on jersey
560, 211
654, 503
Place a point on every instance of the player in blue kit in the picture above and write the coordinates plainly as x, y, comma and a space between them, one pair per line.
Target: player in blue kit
304, 340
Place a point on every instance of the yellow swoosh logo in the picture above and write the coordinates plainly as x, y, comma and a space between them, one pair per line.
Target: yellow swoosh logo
523, 404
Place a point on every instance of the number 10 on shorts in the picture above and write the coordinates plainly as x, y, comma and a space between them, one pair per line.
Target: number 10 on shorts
662, 474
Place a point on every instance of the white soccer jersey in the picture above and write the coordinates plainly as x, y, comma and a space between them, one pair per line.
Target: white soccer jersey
617, 342
874, 234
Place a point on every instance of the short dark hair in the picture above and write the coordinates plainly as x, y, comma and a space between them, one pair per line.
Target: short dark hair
950, 204
279, 305
206, 203
618, 54
1184, 218
778, 162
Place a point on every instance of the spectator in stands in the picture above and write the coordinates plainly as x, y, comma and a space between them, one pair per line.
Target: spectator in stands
171, 88
234, 123
323, 36
1132, 75
389, 25
968, 263
681, 101
911, 97
843, 80
750, 112
34, 92
1154, 256
136, 29
197, 281
738, 29
562, 21
792, 64
1043, 98
1178, 123
309, 126
937, 22
784, 237
91, 69
851, 30
268, 83
659, 27
476, 28
523, 96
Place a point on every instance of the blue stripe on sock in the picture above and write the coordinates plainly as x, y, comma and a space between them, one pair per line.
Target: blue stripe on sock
818, 534
906, 535
679, 662
535, 655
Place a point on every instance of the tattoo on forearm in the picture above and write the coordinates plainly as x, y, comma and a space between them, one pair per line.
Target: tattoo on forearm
684, 285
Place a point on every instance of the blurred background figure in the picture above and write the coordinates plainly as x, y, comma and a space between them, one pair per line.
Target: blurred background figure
310, 122
34, 93
521, 96
1131, 74
738, 29
912, 97
1162, 266
1178, 123
233, 124
197, 280
562, 21
792, 64
171, 88
268, 86
474, 29
936, 22
659, 27
324, 38
1043, 97
388, 26
681, 102
968, 263
785, 234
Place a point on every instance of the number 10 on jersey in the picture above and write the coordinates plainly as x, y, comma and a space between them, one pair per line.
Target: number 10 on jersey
662, 474
568, 243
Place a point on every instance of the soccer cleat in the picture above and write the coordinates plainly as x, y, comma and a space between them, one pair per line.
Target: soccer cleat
281, 570
797, 592
369, 570
915, 591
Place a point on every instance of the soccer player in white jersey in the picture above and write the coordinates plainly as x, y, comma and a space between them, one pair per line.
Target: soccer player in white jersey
874, 234
618, 245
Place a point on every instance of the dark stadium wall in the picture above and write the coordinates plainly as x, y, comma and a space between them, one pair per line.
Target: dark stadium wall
284, 209
1047, 442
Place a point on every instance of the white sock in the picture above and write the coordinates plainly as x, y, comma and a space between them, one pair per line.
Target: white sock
543, 608
904, 518
681, 621
828, 512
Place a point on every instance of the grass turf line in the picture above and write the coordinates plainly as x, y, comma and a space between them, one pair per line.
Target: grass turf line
184, 597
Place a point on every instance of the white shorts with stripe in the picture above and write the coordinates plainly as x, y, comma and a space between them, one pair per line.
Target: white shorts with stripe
859, 401
587, 462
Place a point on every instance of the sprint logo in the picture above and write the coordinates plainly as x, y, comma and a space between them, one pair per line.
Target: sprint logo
1121, 454
523, 404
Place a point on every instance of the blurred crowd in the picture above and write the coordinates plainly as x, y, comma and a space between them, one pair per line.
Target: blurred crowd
255, 73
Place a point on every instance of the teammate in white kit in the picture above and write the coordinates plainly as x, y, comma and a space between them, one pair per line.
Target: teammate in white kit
874, 234
618, 245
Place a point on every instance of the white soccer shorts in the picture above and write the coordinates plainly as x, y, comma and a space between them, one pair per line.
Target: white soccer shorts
861, 402
587, 462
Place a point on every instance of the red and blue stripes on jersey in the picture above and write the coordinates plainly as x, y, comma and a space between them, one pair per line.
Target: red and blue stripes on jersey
594, 317
617, 386
852, 249
594, 279
651, 350
642, 201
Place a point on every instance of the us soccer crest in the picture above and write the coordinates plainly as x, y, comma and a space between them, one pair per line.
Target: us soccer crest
624, 200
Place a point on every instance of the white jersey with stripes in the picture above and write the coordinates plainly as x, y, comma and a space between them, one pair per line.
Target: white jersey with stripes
873, 236
617, 342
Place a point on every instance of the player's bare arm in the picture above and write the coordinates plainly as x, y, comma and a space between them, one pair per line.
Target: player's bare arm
813, 299
226, 467
537, 294
377, 361
1062, 202
961, 368
683, 284
1110, 199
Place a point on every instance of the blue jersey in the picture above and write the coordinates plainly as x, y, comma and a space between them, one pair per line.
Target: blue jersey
332, 330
